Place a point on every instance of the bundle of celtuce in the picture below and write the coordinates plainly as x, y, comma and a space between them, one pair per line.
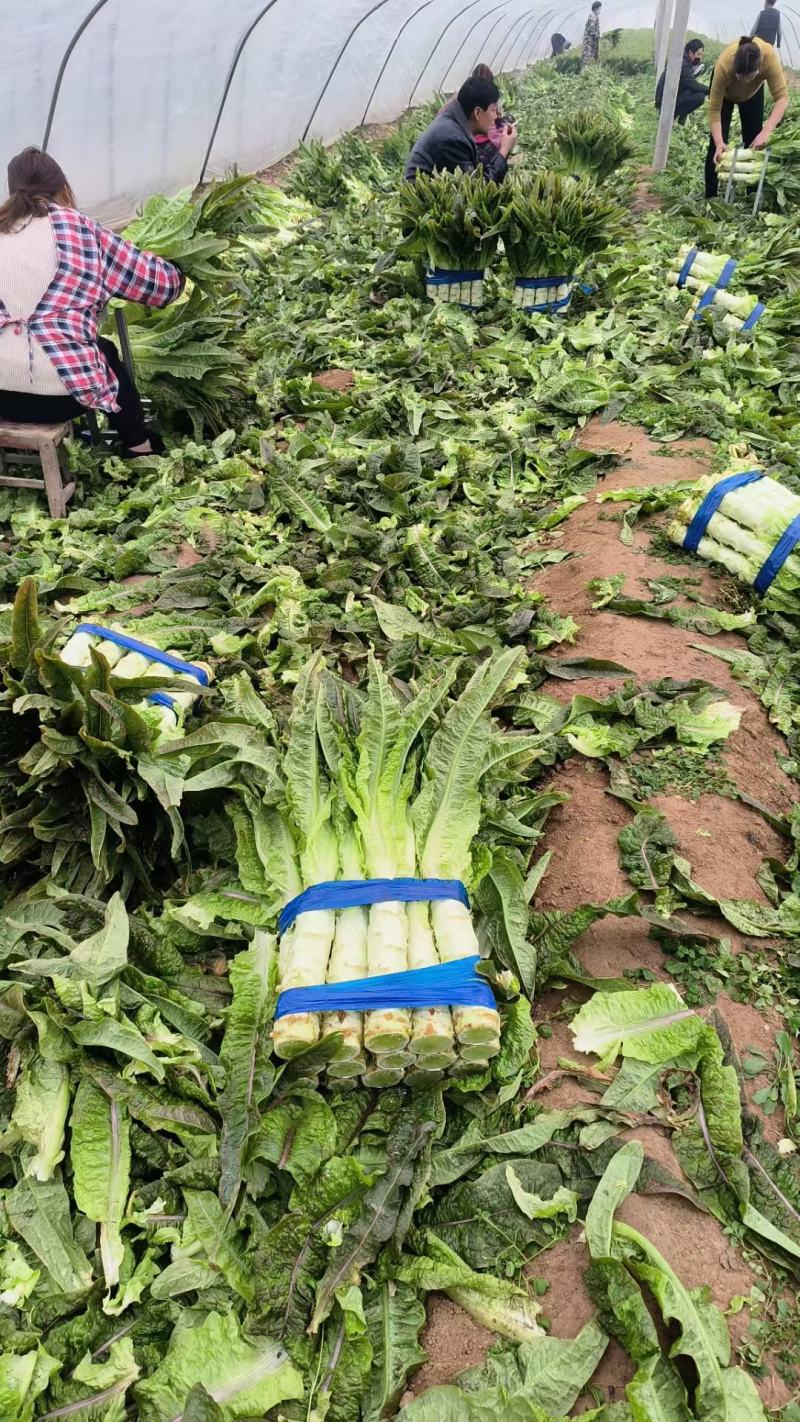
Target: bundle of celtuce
739, 309
745, 164
550, 225
392, 803
705, 268
166, 713
744, 531
452, 221
589, 142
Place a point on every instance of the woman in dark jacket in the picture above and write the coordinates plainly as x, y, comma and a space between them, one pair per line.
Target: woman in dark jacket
691, 94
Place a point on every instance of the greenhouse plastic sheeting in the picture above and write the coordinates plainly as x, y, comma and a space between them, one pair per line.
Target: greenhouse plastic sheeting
142, 90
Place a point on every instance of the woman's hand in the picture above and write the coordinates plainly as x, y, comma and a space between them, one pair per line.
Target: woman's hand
761, 139
721, 148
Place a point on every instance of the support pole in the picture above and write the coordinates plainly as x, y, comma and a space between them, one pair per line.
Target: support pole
677, 40
663, 16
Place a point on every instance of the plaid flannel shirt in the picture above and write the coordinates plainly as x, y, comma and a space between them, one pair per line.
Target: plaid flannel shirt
94, 264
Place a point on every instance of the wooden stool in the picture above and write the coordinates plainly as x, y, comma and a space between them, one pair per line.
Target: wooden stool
47, 442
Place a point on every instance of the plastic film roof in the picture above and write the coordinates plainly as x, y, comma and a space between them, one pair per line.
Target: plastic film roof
152, 96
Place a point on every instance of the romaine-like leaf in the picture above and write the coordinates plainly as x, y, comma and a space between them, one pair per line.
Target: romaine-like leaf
244, 1378
650, 1025
101, 1163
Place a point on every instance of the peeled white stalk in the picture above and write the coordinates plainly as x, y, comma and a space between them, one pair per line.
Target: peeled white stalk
435, 1061
303, 963
348, 959
132, 666
401, 1059
714, 552
455, 938
383, 1076
76, 651
345, 1068
479, 1051
431, 1027
388, 1028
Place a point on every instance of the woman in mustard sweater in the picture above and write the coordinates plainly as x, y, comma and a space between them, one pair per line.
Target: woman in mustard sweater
739, 77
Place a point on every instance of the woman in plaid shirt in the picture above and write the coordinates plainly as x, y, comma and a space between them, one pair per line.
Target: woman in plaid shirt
58, 271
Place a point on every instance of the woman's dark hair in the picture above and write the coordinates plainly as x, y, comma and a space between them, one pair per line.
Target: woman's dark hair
597, 5
693, 46
748, 58
477, 94
482, 71
35, 180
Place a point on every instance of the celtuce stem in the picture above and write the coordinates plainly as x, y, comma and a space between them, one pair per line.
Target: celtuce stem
455, 938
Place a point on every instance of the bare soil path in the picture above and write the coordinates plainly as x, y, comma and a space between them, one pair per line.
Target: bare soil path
723, 838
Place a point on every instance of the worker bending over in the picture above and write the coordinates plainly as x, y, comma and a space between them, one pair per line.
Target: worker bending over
58, 271
739, 77
449, 142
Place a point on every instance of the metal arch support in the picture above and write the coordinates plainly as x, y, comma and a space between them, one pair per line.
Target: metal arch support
794, 31
507, 43
534, 39
392, 48
237, 54
502, 5
323, 91
457, 16
550, 16
524, 42
516, 24
84, 24
579, 10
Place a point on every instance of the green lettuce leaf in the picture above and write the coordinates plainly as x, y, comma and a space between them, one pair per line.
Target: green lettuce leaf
244, 1378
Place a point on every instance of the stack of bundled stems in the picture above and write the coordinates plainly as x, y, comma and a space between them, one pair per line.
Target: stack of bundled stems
132, 667
705, 270
452, 222
737, 307
551, 224
588, 142
397, 800
744, 531
749, 164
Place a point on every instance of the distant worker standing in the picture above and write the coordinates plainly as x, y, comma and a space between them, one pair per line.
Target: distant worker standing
768, 25
691, 94
739, 77
591, 35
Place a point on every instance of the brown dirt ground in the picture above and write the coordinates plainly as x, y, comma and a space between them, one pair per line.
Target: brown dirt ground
335, 379
725, 841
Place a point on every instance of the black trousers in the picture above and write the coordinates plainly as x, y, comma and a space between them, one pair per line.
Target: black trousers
686, 104
23, 408
751, 113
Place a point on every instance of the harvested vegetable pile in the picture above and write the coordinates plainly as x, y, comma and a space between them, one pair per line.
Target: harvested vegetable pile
210, 1211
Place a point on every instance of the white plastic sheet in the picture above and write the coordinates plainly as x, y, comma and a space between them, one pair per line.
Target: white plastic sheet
142, 88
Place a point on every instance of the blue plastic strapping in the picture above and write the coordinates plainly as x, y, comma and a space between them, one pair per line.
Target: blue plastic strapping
132, 644
726, 274
705, 301
445, 985
357, 893
439, 276
755, 315
160, 698
687, 266
785, 545
711, 503
587, 289
542, 281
